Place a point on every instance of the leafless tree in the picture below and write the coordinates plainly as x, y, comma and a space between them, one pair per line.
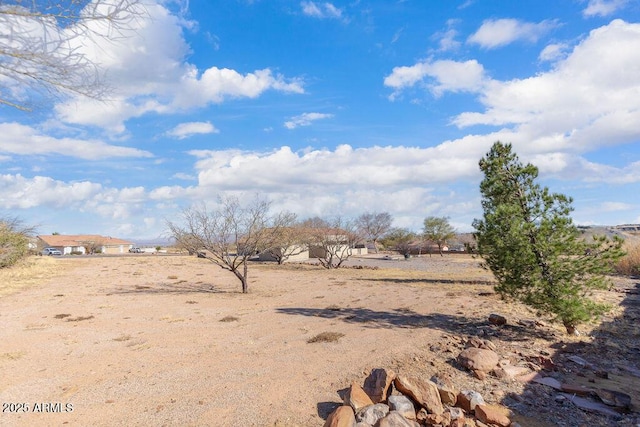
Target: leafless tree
41, 45
374, 226
288, 241
230, 235
331, 241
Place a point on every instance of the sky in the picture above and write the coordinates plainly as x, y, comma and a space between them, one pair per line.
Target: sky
333, 109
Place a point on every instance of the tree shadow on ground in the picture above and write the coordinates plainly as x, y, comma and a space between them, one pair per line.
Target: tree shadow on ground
407, 318
171, 288
609, 359
432, 281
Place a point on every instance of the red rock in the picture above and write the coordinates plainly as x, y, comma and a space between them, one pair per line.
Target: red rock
493, 414
424, 392
478, 359
469, 399
448, 393
357, 398
343, 416
498, 320
378, 384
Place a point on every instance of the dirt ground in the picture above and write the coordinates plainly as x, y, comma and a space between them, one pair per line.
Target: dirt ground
146, 340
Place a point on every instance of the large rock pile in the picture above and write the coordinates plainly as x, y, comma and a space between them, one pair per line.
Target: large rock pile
390, 400
386, 399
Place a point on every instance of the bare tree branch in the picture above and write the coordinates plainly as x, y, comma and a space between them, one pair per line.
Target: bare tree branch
41, 46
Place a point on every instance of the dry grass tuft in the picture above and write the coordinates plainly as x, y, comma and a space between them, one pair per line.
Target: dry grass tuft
326, 337
629, 265
61, 316
230, 319
29, 272
172, 277
123, 337
79, 318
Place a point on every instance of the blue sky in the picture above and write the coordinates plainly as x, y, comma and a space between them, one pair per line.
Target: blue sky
334, 108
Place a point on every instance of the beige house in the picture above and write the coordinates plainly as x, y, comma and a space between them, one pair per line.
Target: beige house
84, 243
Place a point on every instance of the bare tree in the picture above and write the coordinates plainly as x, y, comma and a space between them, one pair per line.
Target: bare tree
374, 225
331, 241
41, 45
229, 236
288, 241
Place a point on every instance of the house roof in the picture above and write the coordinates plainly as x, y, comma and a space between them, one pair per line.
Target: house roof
80, 239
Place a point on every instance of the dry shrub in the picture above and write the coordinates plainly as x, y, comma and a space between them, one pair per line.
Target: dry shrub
229, 319
326, 337
629, 265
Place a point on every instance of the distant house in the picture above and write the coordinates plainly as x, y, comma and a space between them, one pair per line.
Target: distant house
84, 243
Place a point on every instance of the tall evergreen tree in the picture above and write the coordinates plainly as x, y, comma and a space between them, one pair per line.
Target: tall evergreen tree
528, 240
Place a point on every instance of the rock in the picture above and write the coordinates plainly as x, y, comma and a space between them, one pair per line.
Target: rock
498, 320
589, 405
515, 371
424, 392
343, 416
481, 375
614, 398
479, 359
493, 414
394, 419
469, 399
357, 398
403, 405
378, 384
456, 413
576, 389
448, 393
372, 413
549, 381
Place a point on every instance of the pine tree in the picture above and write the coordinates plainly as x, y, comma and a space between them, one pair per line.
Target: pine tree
528, 240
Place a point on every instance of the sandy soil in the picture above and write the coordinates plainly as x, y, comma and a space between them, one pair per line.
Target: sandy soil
169, 340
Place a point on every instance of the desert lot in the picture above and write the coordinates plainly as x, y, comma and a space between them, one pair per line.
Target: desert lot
146, 339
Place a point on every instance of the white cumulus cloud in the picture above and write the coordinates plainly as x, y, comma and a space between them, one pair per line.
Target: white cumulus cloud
16, 138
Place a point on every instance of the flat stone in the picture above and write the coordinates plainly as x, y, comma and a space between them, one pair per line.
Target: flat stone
493, 414
614, 398
515, 371
576, 389
549, 381
343, 416
590, 405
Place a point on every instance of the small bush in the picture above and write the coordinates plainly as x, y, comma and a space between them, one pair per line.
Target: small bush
229, 319
326, 337
14, 243
629, 265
